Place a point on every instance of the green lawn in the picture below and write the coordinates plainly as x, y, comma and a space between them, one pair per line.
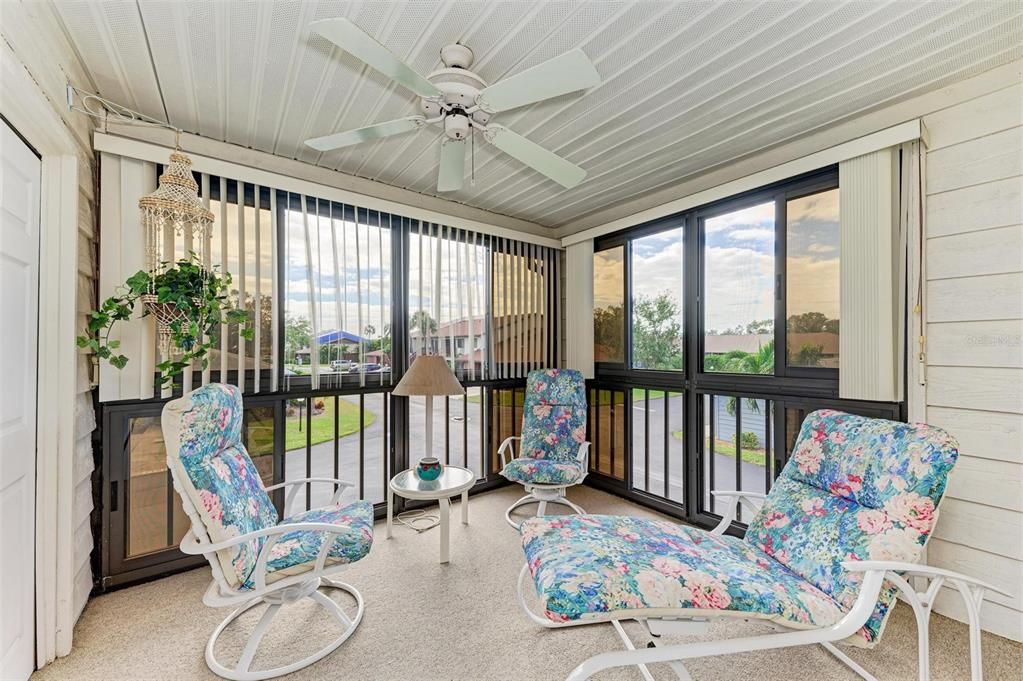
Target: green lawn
323, 423
726, 448
640, 394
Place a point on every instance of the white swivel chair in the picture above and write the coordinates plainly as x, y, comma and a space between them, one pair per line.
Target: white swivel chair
256, 557
553, 452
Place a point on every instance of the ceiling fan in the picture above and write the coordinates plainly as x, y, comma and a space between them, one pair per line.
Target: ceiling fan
459, 101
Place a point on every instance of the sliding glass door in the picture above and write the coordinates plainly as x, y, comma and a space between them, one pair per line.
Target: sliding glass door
690, 314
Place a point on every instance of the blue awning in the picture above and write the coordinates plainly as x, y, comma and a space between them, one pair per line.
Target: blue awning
339, 337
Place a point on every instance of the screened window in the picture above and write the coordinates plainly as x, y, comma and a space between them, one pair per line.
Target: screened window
337, 293
739, 285
609, 305
447, 292
657, 297
812, 273
240, 228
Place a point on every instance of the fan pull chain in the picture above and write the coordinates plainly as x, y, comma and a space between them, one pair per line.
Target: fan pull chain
472, 157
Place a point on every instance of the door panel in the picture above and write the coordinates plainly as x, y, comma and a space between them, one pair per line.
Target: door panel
19, 308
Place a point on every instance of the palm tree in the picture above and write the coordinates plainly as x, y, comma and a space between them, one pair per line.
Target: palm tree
759, 362
424, 324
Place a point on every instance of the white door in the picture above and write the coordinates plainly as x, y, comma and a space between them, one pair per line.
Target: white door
19, 315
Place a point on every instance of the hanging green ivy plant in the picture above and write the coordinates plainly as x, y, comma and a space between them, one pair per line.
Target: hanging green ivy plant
189, 299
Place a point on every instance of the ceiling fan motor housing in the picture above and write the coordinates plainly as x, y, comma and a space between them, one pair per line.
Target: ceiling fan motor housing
456, 126
459, 85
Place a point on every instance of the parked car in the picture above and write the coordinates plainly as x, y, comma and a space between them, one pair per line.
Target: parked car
342, 365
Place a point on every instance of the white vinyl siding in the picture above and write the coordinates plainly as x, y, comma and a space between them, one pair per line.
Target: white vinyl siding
38, 42
974, 333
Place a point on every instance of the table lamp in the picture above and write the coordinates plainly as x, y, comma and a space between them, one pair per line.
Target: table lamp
429, 375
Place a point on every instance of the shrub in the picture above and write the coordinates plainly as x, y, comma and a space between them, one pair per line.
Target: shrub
749, 440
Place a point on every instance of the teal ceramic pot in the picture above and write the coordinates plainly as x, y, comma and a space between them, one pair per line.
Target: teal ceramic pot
429, 468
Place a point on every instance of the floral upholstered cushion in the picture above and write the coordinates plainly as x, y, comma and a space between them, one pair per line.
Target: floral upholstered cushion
593, 566
297, 551
554, 414
855, 488
202, 432
542, 471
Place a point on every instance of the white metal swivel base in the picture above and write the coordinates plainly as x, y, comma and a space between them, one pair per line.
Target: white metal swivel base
541, 496
288, 596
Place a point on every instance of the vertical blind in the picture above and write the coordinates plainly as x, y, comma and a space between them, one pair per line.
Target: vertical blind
485, 303
317, 279
338, 281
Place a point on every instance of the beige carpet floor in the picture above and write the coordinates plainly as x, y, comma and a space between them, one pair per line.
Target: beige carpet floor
428, 621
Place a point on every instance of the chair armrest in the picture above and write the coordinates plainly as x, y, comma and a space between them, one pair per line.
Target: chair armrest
903, 569
737, 497
296, 486
506, 445
192, 545
971, 590
583, 457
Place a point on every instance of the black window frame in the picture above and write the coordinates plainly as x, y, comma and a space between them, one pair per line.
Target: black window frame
789, 386
111, 486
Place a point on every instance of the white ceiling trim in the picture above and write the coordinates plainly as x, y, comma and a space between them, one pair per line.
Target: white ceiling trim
899, 134
156, 153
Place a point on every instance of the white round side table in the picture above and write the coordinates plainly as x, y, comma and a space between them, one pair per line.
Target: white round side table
453, 480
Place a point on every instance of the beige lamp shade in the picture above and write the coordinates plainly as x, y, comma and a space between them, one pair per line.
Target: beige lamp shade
428, 375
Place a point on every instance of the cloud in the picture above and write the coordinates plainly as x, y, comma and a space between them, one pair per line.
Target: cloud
760, 215
608, 277
752, 234
738, 286
657, 265
816, 207
813, 286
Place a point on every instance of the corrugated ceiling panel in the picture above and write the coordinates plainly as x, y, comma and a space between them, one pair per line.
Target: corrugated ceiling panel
687, 85
697, 124
111, 41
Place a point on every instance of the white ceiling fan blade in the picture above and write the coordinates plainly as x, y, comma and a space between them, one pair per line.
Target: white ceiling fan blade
566, 73
452, 166
364, 47
536, 157
370, 132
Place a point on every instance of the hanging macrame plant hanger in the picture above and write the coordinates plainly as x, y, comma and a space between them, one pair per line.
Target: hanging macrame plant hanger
174, 209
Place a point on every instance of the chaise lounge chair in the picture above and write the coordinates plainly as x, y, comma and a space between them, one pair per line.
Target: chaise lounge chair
823, 559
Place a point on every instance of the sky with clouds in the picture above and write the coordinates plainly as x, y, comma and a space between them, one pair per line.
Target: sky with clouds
348, 267
351, 271
739, 263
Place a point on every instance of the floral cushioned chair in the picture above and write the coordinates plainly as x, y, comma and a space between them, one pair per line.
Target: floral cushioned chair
255, 556
554, 453
824, 556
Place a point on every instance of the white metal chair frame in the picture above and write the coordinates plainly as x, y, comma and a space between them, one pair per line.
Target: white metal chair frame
874, 575
285, 591
544, 494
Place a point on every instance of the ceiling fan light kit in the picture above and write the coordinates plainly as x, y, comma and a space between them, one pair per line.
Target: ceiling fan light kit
460, 101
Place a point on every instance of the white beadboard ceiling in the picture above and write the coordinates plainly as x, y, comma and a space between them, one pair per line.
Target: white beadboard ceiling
687, 86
